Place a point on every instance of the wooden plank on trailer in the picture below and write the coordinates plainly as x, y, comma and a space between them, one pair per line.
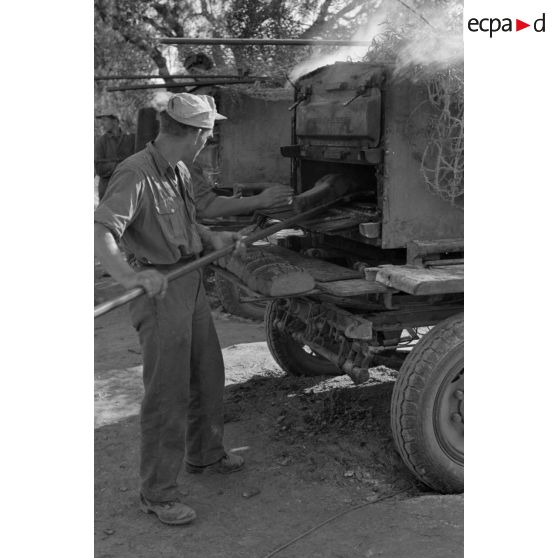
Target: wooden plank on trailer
417, 249
353, 287
320, 270
268, 274
421, 281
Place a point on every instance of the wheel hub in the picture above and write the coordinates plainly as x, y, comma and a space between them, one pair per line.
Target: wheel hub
449, 415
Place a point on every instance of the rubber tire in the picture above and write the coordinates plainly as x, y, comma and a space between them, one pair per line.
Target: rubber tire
229, 294
437, 355
290, 356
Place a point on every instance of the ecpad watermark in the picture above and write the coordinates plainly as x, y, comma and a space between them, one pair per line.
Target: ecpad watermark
494, 25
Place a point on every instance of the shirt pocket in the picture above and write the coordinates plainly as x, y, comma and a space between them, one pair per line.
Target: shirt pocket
171, 221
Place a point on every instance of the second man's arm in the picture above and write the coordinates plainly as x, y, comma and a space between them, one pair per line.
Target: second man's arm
223, 206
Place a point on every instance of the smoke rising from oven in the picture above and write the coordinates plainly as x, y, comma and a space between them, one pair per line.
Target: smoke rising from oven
160, 100
402, 37
367, 32
436, 46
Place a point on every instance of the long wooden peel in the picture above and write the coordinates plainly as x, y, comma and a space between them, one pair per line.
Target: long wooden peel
118, 301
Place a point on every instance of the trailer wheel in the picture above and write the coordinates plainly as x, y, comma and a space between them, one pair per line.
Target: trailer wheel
427, 408
295, 359
230, 294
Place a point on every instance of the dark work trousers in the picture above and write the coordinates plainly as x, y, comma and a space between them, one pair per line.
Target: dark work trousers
183, 376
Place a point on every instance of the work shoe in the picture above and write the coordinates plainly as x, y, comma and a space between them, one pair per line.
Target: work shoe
169, 513
229, 463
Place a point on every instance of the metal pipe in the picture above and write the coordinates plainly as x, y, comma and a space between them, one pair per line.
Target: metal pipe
109, 305
181, 76
283, 42
175, 85
356, 373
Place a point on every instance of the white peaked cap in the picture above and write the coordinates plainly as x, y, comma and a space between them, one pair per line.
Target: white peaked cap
194, 110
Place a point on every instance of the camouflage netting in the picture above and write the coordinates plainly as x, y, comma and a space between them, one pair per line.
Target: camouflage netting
442, 162
425, 43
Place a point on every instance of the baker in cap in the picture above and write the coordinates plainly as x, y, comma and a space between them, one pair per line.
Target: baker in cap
111, 147
149, 213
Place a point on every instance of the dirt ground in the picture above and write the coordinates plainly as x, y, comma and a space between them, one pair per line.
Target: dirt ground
314, 448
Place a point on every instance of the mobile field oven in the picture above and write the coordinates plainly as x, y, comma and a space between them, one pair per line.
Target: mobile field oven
386, 261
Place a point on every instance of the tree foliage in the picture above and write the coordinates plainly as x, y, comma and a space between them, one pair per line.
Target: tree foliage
127, 34
139, 24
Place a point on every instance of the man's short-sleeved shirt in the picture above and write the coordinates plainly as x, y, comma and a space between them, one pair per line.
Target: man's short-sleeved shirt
150, 209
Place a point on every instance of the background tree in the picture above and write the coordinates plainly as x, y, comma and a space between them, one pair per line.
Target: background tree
127, 33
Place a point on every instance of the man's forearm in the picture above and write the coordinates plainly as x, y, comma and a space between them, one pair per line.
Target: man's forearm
205, 235
223, 206
108, 253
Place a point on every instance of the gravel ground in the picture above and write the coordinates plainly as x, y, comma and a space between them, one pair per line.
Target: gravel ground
314, 447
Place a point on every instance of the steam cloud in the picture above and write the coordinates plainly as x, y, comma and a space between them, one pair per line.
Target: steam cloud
394, 27
160, 100
367, 32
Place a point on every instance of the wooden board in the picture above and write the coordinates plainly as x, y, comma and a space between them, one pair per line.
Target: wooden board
422, 281
418, 249
352, 287
320, 270
268, 274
